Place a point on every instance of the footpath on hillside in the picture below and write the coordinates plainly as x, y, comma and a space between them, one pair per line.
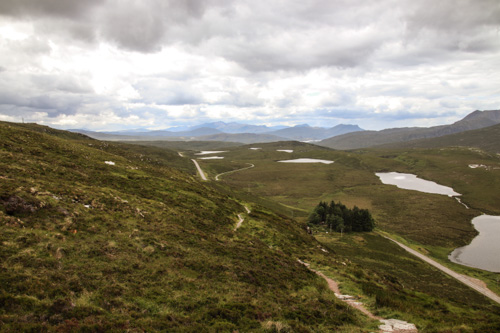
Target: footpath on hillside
388, 325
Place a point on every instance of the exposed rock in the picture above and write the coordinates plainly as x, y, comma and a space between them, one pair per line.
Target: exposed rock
395, 325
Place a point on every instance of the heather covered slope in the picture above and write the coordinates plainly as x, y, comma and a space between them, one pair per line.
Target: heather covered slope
97, 236
487, 139
475, 120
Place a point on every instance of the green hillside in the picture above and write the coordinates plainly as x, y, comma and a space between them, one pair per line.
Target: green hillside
487, 139
140, 245
433, 224
475, 120
99, 236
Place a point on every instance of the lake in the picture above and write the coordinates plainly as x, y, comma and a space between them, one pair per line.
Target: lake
483, 252
412, 182
307, 160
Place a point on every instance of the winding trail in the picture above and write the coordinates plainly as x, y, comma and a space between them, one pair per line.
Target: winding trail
241, 218
228, 172
388, 325
462, 278
202, 175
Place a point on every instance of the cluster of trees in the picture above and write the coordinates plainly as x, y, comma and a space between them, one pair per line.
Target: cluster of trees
340, 218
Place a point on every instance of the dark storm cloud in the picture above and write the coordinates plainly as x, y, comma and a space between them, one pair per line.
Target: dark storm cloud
132, 24
72, 9
268, 35
286, 58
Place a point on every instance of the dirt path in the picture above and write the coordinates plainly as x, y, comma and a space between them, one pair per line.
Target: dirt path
241, 218
228, 172
351, 301
388, 325
202, 175
462, 278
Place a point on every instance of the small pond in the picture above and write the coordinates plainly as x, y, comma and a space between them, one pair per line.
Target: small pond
411, 182
207, 152
484, 250
307, 160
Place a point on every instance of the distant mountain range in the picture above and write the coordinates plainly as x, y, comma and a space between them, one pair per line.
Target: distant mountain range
227, 132
365, 139
342, 137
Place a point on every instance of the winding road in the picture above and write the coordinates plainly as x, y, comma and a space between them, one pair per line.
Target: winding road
462, 278
228, 172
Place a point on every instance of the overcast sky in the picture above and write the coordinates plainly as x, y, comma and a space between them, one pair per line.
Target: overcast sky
117, 64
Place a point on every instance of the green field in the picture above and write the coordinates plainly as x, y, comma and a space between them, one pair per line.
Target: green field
435, 223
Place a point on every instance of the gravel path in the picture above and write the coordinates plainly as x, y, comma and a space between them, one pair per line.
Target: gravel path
462, 278
202, 175
228, 172
387, 325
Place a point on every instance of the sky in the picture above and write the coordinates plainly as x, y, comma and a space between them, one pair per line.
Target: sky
124, 64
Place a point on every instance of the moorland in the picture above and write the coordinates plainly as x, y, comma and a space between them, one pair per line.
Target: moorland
100, 236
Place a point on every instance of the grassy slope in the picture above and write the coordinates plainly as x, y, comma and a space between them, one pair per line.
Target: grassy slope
487, 139
141, 245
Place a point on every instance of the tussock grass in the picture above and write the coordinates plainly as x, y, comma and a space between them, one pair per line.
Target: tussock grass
140, 245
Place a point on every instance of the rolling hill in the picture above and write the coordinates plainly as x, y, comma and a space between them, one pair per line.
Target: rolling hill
98, 236
308, 133
487, 139
475, 120
226, 132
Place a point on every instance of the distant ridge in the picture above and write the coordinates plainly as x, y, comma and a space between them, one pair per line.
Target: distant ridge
246, 138
487, 139
308, 133
221, 131
475, 120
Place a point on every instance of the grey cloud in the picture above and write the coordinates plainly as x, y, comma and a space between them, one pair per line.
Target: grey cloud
454, 16
341, 113
166, 92
133, 25
454, 25
267, 35
239, 99
69, 84
51, 8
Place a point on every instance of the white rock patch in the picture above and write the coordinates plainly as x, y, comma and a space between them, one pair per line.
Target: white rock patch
109, 162
395, 325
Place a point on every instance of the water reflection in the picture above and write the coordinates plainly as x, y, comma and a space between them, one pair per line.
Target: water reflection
483, 252
412, 182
